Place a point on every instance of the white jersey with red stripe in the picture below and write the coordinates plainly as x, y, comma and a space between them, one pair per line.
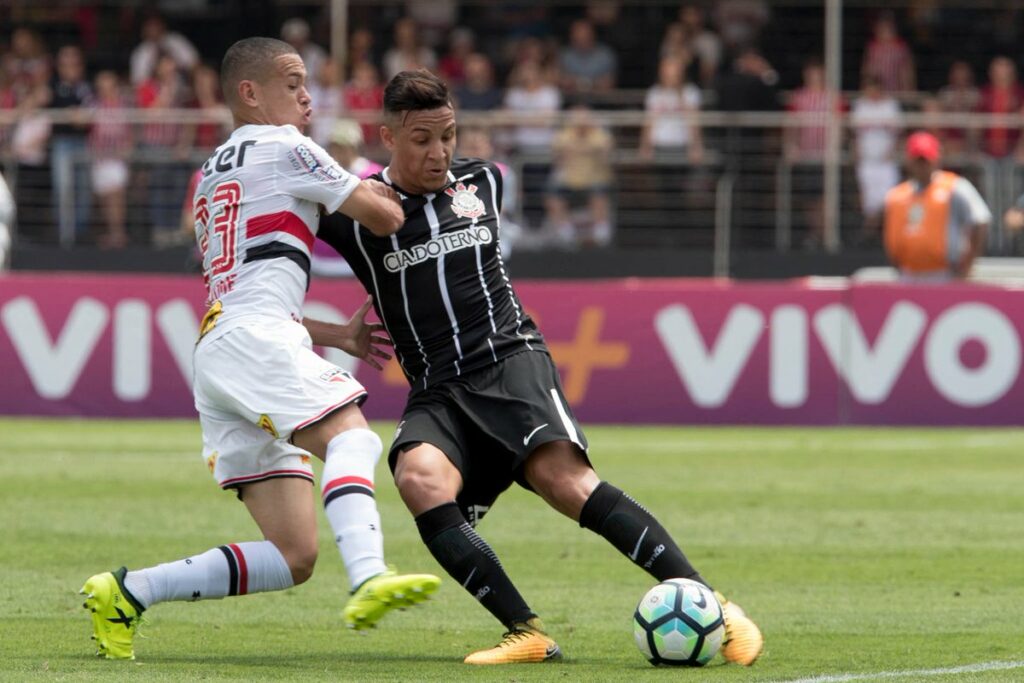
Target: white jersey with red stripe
257, 210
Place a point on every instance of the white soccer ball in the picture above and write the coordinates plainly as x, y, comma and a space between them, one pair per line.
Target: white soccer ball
679, 622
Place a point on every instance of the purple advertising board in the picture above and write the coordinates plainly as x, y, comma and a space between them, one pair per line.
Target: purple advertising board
629, 351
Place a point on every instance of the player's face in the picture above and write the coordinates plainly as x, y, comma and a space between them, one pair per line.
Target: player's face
421, 145
283, 98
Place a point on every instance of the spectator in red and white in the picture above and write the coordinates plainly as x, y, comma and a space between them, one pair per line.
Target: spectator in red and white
157, 41
959, 96
27, 61
666, 131
586, 65
164, 145
110, 142
408, 53
705, 43
876, 123
453, 65
806, 142
888, 58
805, 146
296, 32
536, 102
740, 22
70, 91
1003, 95
478, 92
328, 95
206, 97
364, 94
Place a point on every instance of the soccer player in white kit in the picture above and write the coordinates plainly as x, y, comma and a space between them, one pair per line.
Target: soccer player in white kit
265, 399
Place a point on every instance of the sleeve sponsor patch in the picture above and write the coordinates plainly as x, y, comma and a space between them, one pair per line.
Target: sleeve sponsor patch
302, 158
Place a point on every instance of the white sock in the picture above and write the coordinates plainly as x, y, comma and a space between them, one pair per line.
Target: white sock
347, 488
235, 569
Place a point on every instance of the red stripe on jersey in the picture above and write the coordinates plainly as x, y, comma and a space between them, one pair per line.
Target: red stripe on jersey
342, 481
282, 221
243, 569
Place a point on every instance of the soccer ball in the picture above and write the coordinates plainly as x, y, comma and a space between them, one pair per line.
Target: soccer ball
679, 622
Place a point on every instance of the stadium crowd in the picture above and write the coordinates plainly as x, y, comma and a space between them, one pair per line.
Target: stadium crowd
724, 55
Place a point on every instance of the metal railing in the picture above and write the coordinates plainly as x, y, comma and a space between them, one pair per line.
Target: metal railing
740, 195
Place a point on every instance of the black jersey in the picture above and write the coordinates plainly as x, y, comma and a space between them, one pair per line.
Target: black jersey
439, 284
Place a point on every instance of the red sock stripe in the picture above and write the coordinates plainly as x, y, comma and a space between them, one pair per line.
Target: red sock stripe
243, 569
344, 481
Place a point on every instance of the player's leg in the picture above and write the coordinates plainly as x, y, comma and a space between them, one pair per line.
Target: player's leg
282, 508
562, 476
350, 451
429, 483
552, 448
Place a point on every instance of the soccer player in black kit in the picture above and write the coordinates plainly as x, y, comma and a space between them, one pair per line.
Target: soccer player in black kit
485, 406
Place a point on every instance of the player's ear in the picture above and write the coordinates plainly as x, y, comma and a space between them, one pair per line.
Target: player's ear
247, 94
387, 136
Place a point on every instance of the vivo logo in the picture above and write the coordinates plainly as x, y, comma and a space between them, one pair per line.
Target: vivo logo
54, 364
709, 372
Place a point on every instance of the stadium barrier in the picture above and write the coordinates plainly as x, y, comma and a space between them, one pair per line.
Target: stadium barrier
821, 352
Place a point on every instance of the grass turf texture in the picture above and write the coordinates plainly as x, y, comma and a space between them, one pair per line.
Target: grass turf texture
857, 551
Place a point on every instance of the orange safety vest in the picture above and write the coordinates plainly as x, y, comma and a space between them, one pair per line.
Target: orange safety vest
917, 224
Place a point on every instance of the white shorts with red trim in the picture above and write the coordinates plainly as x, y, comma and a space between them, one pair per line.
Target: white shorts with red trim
255, 385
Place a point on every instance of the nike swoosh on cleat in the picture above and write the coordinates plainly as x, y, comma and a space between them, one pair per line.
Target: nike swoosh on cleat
526, 439
636, 550
551, 651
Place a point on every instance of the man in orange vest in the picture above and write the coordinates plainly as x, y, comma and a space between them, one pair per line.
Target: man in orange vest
935, 222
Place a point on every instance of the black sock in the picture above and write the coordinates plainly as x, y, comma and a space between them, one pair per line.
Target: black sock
636, 533
469, 560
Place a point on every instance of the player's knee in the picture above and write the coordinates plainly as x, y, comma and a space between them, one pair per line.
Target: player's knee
423, 486
565, 480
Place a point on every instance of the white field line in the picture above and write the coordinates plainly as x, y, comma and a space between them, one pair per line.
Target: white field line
913, 673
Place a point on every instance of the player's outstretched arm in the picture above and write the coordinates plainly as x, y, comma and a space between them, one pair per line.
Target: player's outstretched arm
357, 337
376, 206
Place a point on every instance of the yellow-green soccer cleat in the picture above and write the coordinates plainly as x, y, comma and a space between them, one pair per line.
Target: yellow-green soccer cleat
743, 641
115, 614
382, 593
526, 643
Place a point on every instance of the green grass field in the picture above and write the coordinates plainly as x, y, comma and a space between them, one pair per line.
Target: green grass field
859, 552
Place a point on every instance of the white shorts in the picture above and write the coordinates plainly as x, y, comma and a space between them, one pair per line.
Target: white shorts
255, 385
109, 175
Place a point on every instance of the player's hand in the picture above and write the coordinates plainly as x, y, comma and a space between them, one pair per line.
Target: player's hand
362, 339
385, 191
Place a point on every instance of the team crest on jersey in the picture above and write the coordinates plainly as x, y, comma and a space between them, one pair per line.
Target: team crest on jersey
335, 375
465, 203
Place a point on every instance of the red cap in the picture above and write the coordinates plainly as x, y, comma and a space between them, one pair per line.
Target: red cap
923, 146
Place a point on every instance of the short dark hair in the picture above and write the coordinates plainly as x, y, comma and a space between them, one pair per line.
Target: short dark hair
417, 90
249, 60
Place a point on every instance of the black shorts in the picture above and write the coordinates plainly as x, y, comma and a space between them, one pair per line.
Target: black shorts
487, 422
